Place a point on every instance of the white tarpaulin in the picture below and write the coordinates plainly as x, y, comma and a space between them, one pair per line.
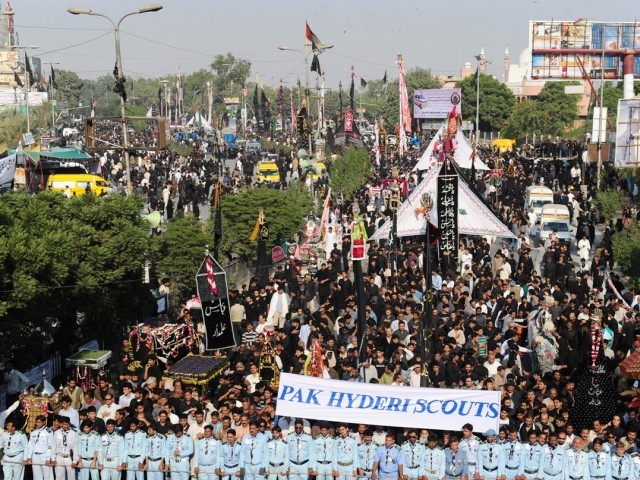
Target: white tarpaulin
375, 404
462, 155
7, 169
198, 120
474, 217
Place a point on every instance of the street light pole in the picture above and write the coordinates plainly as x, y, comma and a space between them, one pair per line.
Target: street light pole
51, 100
121, 78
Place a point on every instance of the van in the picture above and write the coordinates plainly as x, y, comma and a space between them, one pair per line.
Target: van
555, 217
268, 172
537, 197
504, 144
319, 169
77, 183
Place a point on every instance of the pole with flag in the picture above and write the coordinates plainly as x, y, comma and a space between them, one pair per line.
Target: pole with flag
340, 98
217, 228
280, 104
210, 100
376, 129
404, 114
256, 104
321, 109
352, 90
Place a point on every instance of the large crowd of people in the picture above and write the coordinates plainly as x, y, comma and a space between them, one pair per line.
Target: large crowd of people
547, 331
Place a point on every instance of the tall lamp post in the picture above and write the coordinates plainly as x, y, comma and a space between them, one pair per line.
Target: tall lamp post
427, 205
121, 78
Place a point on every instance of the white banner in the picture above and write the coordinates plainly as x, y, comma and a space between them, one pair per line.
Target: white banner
374, 404
7, 169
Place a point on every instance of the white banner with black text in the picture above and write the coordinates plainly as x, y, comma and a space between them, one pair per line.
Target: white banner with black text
375, 404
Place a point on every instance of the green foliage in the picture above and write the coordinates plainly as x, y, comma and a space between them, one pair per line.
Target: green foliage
178, 253
229, 69
69, 87
69, 268
285, 211
562, 108
526, 119
496, 102
626, 251
179, 148
13, 123
609, 203
351, 171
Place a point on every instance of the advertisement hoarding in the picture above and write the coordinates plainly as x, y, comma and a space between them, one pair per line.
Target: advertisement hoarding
569, 37
627, 152
435, 102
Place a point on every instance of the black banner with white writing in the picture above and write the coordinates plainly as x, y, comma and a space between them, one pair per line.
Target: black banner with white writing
448, 217
211, 283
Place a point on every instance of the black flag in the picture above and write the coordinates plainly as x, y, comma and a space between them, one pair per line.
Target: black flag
363, 82
256, 105
340, 97
28, 67
352, 92
315, 65
384, 79
17, 78
53, 82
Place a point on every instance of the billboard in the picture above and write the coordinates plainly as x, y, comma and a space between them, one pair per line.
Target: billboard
436, 102
628, 134
558, 47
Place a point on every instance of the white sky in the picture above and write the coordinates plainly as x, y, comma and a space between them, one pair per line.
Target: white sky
367, 34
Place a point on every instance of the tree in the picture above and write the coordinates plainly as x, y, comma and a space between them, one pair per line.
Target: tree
562, 108
285, 211
68, 268
351, 171
496, 102
609, 203
527, 118
229, 70
69, 87
177, 255
626, 251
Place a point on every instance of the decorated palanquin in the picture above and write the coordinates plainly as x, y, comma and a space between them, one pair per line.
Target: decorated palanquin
44, 401
172, 341
197, 370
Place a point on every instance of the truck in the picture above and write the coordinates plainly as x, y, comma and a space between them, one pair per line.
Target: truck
555, 217
537, 196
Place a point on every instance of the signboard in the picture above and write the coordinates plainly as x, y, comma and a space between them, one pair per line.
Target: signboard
277, 254
628, 134
340, 401
27, 138
599, 127
448, 216
44, 143
231, 100
566, 38
435, 102
211, 284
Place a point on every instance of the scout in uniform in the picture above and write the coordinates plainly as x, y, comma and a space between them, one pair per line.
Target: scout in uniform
552, 459
89, 444
206, 455
229, 460
253, 454
178, 451
455, 461
433, 461
111, 453
412, 452
65, 450
490, 458
277, 456
16, 450
576, 465
40, 449
323, 446
620, 465
512, 453
469, 446
156, 444
388, 463
135, 449
366, 455
530, 458
345, 455
599, 461
301, 455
